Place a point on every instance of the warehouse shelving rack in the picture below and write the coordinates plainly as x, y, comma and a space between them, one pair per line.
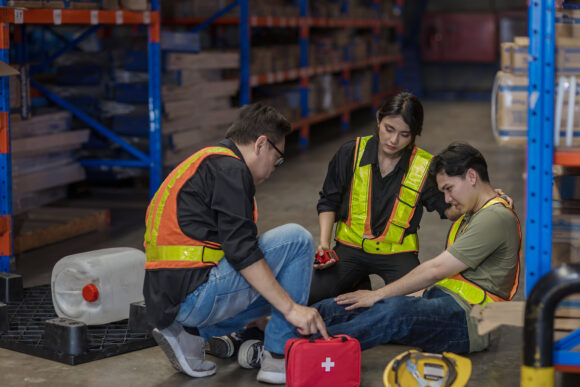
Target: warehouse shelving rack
93, 18
304, 23
541, 157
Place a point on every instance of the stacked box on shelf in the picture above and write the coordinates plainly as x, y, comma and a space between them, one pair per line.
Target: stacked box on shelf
44, 159
284, 97
63, 4
277, 8
20, 93
110, 86
197, 107
327, 93
129, 5
325, 9
204, 8
512, 83
273, 58
361, 86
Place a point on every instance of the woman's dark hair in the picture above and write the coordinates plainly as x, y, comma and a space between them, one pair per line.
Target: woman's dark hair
457, 159
408, 107
255, 120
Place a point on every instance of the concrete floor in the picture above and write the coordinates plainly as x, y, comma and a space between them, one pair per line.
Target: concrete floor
289, 196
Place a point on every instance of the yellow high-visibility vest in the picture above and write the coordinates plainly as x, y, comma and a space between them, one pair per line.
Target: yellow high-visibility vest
468, 290
356, 230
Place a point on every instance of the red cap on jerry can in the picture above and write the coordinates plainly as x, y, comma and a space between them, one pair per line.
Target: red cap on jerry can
90, 293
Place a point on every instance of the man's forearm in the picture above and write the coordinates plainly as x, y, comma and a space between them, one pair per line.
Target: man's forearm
426, 274
262, 279
417, 279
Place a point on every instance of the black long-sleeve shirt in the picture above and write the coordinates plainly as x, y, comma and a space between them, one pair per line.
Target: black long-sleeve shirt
216, 204
334, 196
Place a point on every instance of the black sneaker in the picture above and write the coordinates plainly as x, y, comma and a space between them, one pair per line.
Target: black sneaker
223, 347
250, 354
227, 346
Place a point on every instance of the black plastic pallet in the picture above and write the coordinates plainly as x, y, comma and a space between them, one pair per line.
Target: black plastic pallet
26, 332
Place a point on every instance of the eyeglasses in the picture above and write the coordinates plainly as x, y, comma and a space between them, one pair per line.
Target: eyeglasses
282, 158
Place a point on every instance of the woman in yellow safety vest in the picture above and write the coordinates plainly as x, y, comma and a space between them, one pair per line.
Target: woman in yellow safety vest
375, 190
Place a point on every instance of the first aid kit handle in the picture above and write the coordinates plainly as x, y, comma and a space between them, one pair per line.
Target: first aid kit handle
311, 339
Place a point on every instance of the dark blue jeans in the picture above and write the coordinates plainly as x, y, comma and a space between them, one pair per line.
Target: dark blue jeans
434, 322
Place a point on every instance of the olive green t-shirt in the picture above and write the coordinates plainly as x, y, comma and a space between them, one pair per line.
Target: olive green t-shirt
489, 244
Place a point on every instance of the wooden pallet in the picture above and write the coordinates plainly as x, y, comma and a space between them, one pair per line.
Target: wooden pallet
46, 225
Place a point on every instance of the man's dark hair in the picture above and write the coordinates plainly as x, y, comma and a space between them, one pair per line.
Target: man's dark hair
255, 120
457, 159
408, 107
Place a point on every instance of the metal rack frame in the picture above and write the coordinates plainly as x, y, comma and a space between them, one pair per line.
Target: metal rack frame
93, 18
541, 157
304, 23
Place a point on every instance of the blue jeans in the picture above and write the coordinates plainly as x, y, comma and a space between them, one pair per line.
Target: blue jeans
434, 322
227, 302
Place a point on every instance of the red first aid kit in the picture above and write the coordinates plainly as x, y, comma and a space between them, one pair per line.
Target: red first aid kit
323, 363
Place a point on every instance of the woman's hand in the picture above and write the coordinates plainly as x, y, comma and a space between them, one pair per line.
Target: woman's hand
500, 192
320, 250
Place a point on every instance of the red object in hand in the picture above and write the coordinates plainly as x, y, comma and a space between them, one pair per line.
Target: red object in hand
326, 256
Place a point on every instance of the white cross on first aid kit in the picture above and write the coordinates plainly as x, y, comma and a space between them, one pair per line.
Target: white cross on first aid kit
327, 365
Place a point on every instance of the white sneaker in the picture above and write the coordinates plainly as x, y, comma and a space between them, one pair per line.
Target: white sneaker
186, 352
273, 370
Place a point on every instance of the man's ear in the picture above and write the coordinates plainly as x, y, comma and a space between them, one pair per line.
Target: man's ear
472, 176
260, 144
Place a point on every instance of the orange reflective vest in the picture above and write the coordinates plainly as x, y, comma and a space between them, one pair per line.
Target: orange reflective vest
356, 230
166, 246
471, 292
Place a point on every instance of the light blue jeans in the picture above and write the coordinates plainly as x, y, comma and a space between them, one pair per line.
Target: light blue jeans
227, 302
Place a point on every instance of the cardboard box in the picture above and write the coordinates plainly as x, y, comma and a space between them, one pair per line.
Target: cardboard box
506, 56
19, 84
511, 120
564, 21
135, 5
565, 239
520, 55
575, 22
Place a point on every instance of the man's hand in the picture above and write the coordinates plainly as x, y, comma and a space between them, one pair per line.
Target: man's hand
307, 320
358, 299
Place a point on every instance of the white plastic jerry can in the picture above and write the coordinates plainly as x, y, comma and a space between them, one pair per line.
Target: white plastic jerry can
98, 287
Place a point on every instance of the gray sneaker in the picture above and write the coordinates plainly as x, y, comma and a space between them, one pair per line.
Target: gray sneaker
273, 370
186, 352
250, 354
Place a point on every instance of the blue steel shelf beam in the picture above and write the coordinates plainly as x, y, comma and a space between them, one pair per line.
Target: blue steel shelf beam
219, 14
6, 219
91, 122
538, 253
345, 78
245, 36
304, 32
71, 45
540, 141
154, 64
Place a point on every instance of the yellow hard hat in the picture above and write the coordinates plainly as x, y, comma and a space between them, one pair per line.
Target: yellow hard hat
413, 368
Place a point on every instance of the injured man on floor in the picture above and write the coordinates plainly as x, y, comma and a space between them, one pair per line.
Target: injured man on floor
429, 307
